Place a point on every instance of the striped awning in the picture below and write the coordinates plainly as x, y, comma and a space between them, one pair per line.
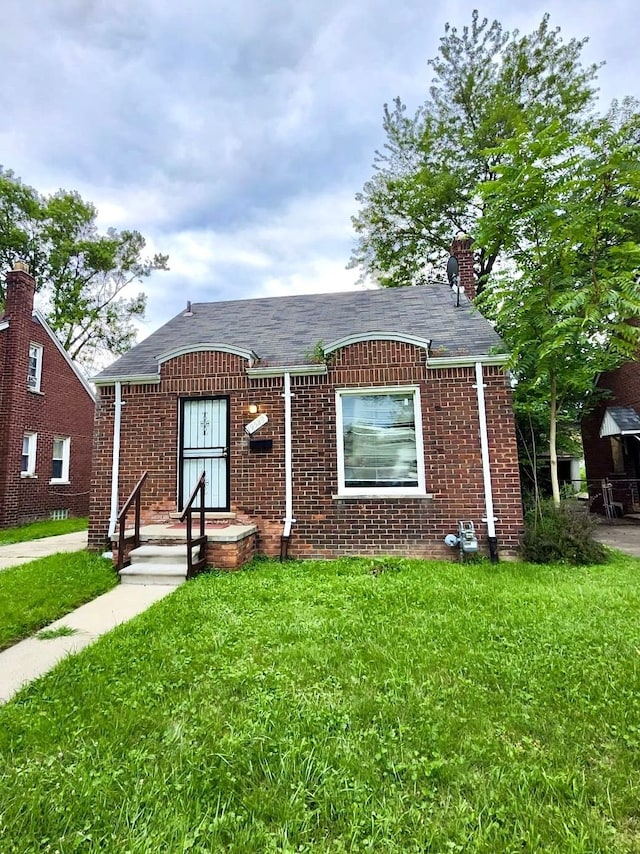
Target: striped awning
620, 421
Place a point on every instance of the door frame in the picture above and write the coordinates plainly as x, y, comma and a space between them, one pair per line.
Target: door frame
182, 400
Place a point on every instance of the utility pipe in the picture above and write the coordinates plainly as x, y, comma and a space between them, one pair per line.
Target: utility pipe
288, 469
486, 466
115, 461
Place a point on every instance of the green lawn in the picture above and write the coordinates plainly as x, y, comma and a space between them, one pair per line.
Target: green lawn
342, 707
38, 530
34, 594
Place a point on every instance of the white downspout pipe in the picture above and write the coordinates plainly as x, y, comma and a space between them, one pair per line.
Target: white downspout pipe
115, 461
486, 466
288, 459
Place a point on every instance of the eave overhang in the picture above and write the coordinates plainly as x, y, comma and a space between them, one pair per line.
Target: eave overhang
292, 370
620, 421
467, 360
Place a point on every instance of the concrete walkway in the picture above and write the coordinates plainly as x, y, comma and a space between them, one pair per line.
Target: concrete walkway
33, 657
22, 552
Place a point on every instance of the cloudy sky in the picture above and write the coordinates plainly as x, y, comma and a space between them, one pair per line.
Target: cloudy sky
235, 135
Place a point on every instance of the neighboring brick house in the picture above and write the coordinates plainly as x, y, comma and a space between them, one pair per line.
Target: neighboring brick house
46, 416
611, 441
368, 423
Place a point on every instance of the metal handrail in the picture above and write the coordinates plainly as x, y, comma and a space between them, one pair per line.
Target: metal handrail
194, 567
122, 520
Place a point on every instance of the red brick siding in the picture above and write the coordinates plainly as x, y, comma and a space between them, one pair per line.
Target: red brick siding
62, 408
325, 526
624, 385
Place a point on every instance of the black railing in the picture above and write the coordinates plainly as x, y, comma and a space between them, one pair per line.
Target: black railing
615, 495
199, 542
134, 538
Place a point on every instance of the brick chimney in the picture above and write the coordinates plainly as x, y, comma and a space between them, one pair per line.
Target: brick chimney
21, 287
461, 249
14, 394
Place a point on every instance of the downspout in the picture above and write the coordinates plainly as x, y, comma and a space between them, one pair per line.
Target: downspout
115, 461
288, 470
486, 467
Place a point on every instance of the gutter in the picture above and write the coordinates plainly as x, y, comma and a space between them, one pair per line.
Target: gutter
486, 466
466, 361
290, 370
130, 379
115, 461
288, 470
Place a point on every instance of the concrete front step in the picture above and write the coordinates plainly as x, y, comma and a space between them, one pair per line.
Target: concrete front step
161, 554
157, 564
154, 573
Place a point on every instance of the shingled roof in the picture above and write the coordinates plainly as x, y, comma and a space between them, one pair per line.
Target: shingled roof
282, 331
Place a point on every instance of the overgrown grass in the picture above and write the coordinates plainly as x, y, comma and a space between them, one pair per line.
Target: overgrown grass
59, 632
348, 706
34, 594
38, 530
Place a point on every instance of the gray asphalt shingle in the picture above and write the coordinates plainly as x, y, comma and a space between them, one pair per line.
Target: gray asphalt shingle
283, 330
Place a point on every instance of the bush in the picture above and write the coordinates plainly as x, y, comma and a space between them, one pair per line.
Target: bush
561, 534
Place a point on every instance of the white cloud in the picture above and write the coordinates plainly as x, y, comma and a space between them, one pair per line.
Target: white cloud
235, 136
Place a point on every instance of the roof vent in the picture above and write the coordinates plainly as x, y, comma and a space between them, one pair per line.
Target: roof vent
188, 312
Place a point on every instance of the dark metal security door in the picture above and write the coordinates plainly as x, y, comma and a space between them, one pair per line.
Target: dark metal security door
204, 446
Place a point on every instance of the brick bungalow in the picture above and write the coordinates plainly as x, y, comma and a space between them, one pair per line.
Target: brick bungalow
368, 422
46, 416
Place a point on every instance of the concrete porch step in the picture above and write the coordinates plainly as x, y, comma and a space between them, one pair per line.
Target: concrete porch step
160, 554
149, 572
157, 564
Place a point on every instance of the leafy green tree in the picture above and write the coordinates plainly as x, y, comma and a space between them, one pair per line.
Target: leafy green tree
487, 83
564, 207
81, 274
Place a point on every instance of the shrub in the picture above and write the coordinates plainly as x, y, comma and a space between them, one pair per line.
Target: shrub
561, 534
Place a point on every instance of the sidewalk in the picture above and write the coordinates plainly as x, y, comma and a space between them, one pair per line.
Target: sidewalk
31, 658
33, 549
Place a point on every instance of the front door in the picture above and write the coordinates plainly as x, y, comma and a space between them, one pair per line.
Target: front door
204, 446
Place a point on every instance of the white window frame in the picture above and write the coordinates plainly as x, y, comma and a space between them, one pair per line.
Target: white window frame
34, 379
66, 455
382, 491
32, 444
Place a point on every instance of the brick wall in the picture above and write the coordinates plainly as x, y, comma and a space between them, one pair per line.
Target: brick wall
62, 408
325, 526
624, 385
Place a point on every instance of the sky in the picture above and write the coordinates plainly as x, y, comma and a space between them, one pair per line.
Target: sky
235, 135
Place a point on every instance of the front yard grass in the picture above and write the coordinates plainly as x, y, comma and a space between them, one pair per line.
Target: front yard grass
34, 594
45, 528
396, 706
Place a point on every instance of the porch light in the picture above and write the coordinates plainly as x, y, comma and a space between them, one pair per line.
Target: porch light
253, 408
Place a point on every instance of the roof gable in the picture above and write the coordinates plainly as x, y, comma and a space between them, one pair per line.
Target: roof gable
54, 338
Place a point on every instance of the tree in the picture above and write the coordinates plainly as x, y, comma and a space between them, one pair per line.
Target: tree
487, 84
564, 207
81, 274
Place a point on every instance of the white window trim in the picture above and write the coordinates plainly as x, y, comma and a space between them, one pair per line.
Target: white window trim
418, 491
31, 456
33, 383
66, 456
